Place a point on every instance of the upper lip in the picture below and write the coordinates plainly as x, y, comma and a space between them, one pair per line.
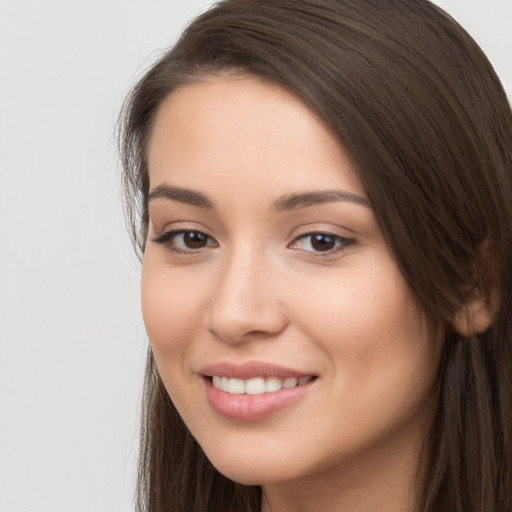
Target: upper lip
250, 370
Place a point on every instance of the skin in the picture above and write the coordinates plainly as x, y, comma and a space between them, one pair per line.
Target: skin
257, 290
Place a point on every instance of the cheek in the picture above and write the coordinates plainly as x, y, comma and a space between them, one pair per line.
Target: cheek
381, 361
171, 307
370, 326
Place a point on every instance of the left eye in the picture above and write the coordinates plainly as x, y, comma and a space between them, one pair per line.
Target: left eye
185, 240
191, 240
321, 242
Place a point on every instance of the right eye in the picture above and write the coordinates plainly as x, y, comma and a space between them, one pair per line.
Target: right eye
185, 241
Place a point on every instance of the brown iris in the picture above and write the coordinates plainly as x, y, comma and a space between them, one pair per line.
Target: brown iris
195, 239
322, 242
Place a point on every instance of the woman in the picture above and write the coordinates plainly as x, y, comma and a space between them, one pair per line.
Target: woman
321, 192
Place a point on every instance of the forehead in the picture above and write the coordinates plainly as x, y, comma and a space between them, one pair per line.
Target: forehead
247, 129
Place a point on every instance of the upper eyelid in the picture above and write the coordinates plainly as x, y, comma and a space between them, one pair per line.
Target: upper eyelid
320, 231
327, 224
181, 226
179, 231
317, 228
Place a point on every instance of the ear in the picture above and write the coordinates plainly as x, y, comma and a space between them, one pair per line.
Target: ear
475, 316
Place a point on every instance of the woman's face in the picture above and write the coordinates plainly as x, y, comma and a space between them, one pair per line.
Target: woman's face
283, 330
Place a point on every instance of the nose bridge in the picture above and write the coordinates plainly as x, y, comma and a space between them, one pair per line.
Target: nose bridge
245, 301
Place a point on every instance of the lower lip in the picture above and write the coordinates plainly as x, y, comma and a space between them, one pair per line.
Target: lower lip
243, 407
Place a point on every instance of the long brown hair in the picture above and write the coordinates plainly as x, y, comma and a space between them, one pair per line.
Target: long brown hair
425, 119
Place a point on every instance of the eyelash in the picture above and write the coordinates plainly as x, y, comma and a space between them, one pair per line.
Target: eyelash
341, 243
168, 240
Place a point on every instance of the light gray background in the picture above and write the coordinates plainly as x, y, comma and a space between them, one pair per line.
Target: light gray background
72, 341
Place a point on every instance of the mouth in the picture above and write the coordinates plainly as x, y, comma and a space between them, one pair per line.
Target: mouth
253, 391
257, 385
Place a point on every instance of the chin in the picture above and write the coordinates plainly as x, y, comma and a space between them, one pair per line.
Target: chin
252, 470
262, 469
254, 475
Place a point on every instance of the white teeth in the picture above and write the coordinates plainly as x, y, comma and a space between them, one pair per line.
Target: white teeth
236, 386
272, 384
257, 385
290, 382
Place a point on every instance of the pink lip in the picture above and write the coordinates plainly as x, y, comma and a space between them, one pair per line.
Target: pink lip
250, 370
243, 407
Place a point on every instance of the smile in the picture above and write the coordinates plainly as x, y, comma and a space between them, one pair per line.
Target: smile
257, 385
254, 390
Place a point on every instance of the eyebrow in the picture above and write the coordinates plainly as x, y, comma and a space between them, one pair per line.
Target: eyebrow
296, 201
284, 203
182, 195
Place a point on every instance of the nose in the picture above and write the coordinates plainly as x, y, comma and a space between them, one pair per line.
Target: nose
245, 304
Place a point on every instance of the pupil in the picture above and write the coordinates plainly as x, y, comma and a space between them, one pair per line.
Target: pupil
194, 240
322, 242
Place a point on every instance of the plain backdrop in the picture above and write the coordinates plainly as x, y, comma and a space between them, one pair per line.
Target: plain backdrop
72, 341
